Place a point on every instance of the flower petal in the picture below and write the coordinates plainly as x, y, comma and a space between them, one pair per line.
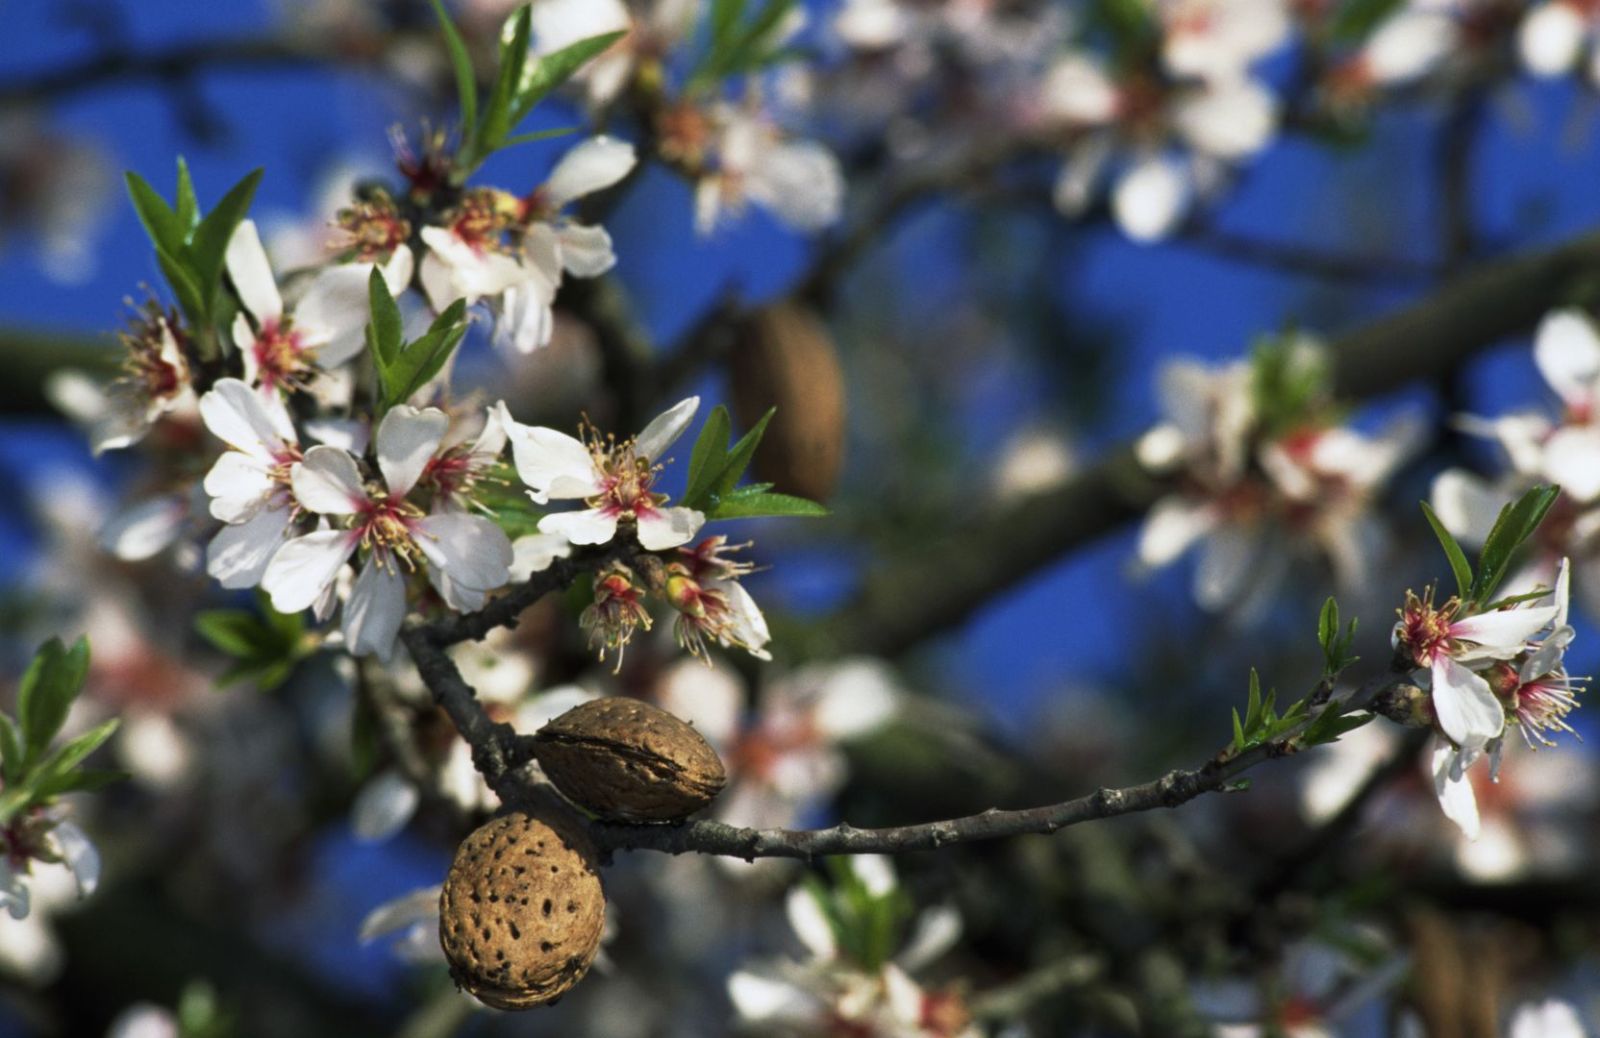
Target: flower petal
304, 568
665, 429
551, 464
1502, 633
536, 552
586, 251
252, 274
594, 165
1551, 38
470, 549
238, 485
1466, 707
590, 526
78, 853
245, 420
375, 609
333, 312
1466, 505
808, 922
407, 440
382, 808
1151, 199
666, 527
1567, 351
144, 530
1572, 459
238, 555
1454, 790
328, 482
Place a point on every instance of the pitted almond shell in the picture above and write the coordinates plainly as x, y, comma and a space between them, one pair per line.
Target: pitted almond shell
521, 912
626, 760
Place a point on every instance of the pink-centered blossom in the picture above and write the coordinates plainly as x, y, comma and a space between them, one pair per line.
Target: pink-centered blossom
614, 479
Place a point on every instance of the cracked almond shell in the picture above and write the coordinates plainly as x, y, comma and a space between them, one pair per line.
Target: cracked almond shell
629, 761
521, 912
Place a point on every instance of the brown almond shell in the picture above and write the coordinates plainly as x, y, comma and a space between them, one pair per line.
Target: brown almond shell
522, 911
626, 760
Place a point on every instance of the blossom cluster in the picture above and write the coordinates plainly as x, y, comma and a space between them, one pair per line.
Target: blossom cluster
1264, 470
1484, 669
1541, 447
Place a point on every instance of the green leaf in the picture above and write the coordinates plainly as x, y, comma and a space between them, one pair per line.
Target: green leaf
556, 68
763, 503
1355, 19
1252, 714
232, 631
1238, 732
1330, 724
1517, 522
209, 245
11, 752
537, 135
1452, 550
497, 114
725, 18
738, 458
52, 681
188, 212
709, 456
461, 63
386, 321
73, 753
165, 228
417, 364
82, 780
1328, 626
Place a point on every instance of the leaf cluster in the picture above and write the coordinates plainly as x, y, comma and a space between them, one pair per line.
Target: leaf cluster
31, 774
520, 82
1296, 726
192, 248
867, 927
1517, 522
741, 40
405, 367
715, 468
265, 644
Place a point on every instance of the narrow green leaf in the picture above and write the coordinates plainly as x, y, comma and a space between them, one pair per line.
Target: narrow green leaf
1452, 551
709, 456
417, 363
81, 780
232, 631
498, 112
753, 506
1517, 522
163, 226
1252, 714
11, 752
536, 136
52, 681
184, 287
386, 321
73, 753
1328, 626
461, 63
1238, 731
556, 68
188, 212
739, 456
209, 245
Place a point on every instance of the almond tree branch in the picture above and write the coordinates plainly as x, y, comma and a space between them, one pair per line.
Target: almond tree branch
499, 753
